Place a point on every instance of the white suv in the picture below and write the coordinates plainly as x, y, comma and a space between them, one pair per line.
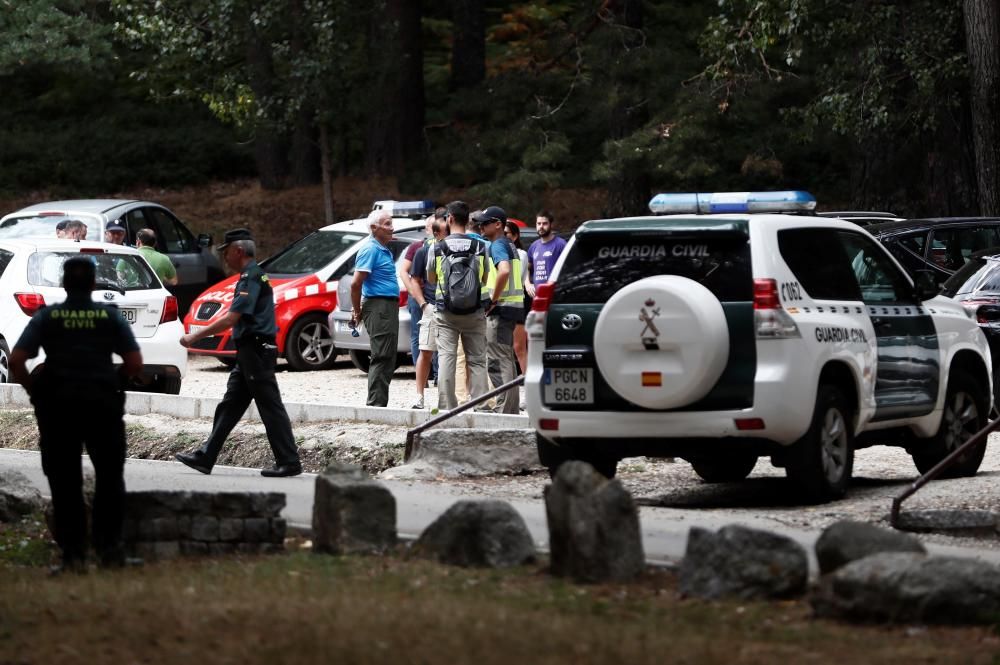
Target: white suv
727, 336
31, 278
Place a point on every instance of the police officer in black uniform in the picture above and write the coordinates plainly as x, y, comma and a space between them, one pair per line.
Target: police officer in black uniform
79, 401
251, 316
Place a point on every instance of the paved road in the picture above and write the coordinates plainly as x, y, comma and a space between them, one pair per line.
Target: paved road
418, 504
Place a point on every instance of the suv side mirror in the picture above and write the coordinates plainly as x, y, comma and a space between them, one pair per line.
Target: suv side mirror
925, 286
204, 240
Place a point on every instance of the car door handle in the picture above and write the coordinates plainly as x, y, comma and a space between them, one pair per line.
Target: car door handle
881, 323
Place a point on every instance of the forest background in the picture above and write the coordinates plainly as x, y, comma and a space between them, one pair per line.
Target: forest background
589, 106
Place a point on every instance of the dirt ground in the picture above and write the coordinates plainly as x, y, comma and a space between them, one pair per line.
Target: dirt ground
279, 217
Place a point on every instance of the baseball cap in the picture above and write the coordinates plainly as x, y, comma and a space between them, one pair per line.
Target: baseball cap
115, 226
234, 235
493, 213
61, 224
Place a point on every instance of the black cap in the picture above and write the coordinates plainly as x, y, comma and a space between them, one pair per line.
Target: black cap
61, 224
234, 235
114, 226
493, 213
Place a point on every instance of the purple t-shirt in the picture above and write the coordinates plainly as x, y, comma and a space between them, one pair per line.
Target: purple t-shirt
542, 257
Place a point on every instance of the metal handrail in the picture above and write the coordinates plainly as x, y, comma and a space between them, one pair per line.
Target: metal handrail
938, 469
414, 434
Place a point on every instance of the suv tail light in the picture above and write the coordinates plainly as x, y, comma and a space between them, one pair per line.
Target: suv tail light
29, 302
169, 309
770, 319
534, 324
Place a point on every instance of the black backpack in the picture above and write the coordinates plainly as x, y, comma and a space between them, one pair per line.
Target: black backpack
462, 290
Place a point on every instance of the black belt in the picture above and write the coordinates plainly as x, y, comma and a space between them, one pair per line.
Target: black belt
255, 339
382, 298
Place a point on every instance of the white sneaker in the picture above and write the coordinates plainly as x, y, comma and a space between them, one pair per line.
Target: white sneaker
419, 403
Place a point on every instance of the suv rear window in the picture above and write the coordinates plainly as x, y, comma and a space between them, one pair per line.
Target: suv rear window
129, 272
598, 265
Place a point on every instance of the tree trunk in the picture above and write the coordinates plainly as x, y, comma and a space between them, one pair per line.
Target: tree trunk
326, 168
396, 108
628, 188
270, 146
304, 156
305, 151
468, 50
982, 32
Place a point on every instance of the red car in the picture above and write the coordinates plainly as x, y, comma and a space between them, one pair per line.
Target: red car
304, 276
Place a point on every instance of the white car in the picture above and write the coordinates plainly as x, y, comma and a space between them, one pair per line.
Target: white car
31, 278
738, 334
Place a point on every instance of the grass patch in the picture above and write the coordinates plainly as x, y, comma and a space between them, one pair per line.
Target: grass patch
306, 608
26, 543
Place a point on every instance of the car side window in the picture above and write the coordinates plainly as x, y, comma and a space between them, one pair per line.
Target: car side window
5, 259
877, 276
951, 248
819, 262
915, 243
135, 221
171, 236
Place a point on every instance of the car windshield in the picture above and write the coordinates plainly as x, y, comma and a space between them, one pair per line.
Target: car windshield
127, 272
981, 275
44, 226
311, 253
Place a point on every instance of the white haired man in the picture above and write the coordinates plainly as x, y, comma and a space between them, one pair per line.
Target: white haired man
375, 302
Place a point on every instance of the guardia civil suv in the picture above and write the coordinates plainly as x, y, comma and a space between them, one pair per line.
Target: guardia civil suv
740, 326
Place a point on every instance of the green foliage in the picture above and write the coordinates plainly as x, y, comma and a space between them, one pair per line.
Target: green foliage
65, 33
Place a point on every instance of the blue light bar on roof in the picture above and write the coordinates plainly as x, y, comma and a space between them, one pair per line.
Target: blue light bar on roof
405, 208
720, 202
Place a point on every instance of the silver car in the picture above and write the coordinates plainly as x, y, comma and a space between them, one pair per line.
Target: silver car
359, 348
197, 266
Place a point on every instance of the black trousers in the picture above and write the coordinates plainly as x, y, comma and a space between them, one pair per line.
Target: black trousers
65, 426
252, 379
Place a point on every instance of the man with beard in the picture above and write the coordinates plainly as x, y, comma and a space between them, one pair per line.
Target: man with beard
543, 253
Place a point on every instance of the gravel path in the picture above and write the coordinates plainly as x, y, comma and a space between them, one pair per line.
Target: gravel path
880, 472
344, 384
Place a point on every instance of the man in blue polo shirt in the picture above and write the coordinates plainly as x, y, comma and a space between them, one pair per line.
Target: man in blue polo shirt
375, 302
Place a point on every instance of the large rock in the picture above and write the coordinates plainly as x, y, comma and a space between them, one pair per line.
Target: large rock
18, 497
743, 563
352, 513
477, 533
594, 533
456, 452
847, 541
912, 588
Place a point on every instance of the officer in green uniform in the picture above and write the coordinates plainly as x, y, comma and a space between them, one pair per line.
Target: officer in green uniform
251, 316
78, 402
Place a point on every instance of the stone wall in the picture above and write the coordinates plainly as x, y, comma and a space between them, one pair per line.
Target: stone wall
167, 524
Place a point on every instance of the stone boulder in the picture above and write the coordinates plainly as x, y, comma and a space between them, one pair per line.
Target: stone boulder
352, 514
902, 587
467, 452
743, 563
477, 533
594, 533
847, 541
18, 497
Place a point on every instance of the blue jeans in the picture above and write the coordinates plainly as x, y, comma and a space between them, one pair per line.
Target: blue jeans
415, 315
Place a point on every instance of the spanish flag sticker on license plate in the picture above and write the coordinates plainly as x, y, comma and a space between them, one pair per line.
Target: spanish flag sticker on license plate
652, 379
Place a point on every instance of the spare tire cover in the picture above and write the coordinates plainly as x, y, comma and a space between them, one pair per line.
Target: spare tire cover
662, 342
